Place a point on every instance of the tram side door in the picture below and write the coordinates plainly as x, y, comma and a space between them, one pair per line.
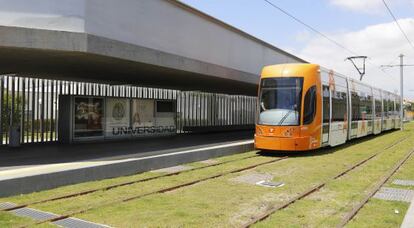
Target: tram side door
326, 116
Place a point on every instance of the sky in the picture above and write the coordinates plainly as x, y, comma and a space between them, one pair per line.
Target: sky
362, 26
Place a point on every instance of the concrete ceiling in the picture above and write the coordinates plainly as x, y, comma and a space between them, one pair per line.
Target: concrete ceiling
82, 66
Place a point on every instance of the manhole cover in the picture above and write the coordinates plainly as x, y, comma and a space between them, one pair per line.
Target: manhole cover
270, 184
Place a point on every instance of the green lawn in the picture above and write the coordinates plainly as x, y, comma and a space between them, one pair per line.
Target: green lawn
383, 213
226, 203
327, 207
9, 220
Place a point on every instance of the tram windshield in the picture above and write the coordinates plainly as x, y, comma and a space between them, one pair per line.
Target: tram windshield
280, 101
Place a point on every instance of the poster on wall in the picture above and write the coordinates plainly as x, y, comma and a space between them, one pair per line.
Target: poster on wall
117, 117
88, 117
143, 113
145, 120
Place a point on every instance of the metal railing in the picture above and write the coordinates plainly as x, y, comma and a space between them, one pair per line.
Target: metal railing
32, 104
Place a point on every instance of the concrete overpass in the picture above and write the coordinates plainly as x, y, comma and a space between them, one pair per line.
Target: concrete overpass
159, 43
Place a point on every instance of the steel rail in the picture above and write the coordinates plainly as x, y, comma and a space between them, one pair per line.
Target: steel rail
153, 178
359, 206
106, 188
164, 190
316, 188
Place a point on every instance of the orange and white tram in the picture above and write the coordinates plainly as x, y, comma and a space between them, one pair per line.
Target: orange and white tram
304, 107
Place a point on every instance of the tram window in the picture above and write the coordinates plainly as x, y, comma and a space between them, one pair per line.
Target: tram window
368, 108
310, 106
339, 111
361, 106
280, 101
378, 108
355, 106
325, 94
385, 109
398, 107
390, 107
395, 107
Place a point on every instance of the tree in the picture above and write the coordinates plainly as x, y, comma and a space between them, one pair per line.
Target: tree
6, 109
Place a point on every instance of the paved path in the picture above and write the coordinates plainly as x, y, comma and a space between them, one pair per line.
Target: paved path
409, 217
40, 167
54, 153
34, 170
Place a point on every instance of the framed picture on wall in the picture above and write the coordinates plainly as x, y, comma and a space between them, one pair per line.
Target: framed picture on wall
88, 117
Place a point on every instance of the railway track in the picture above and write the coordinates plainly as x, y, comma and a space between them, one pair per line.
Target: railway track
377, 187
164, 190
106, 188
316, 188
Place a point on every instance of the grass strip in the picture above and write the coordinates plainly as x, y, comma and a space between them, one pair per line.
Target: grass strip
327, 207
221, 202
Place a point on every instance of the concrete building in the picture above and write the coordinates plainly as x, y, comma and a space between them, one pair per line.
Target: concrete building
99, 70
158, 43
133, 49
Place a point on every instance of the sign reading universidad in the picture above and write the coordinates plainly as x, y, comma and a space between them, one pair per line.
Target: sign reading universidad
111, 118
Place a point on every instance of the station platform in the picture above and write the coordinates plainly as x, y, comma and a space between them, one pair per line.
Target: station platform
33, 168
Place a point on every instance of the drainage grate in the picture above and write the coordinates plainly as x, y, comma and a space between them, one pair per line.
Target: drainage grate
34, 214
404, 182
41, 215
77, 223
7, 205
395, 194
270, 184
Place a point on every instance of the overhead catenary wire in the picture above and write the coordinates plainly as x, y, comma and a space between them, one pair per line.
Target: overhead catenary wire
398, 24
310, 27
321, 34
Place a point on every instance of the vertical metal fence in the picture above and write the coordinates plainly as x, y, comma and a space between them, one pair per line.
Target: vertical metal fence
199, 109
32, 104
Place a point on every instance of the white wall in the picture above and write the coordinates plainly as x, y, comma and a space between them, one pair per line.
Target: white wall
155, 24
61, 15
161, 25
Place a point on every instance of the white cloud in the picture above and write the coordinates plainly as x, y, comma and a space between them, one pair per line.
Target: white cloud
382, 43
367, 6
370, 6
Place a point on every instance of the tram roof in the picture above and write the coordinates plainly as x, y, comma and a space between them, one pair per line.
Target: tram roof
289, 69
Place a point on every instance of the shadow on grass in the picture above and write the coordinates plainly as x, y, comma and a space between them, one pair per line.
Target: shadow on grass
324, 150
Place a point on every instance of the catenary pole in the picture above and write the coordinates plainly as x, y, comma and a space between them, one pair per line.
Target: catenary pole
401, 65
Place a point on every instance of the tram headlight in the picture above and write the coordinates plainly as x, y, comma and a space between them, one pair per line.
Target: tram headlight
288, 133
259, 131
